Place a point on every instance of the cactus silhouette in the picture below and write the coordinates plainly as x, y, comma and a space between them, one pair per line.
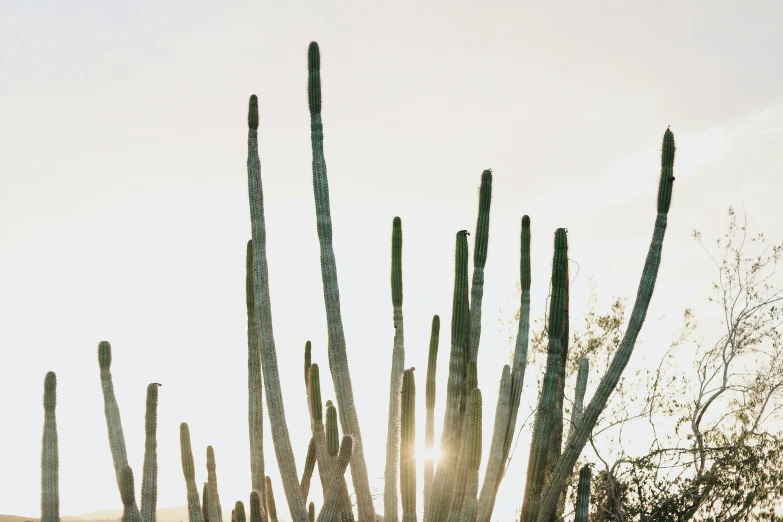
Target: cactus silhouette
50, 457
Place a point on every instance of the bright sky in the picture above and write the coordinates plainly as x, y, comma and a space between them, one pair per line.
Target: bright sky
124, 205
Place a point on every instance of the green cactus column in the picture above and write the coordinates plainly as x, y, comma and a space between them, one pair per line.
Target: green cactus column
576, 413
149, 479
576, 443
390, 500
50, 457
130, 513
338, 360
331, 509
271, 508
257, 512
583, 495
311, 512
460, 482
216, 512
189, 471
239, 510
309, 467
479, 261
408, 447
429, 422
254, 382
263, 311
495, 460
469, 504
112, 411
539, 463
442, 485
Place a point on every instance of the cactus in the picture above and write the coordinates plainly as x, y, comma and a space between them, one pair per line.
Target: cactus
239, 510
217, 515
263, 312
331, 509
338, 361
206, 504
441, 491
308, 358
149, 479
189, 470
479, 261
429, 422
390, 500
565, 464
311, 512
130, 511
112, 411
309, 467
50, 457
579, 395
408, 446
583, 495
466, 483
486, 500
271, 509
254, 383
540, 462
257, 513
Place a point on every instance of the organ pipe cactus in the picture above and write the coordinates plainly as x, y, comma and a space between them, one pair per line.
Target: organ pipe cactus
469, 506
50, 457
206, 504
438, 507
239, 510
254, 382
309, 467
408, 447
338, 361
332, 430
263, 312
466, 485
495, 461
149, 479
576, 412
429, 422
546, 413
583, 495
331, 509
217, 516
311, 512
112, 411
271, 508
390, 499
606, 386
479, 261
189, 470
130, 511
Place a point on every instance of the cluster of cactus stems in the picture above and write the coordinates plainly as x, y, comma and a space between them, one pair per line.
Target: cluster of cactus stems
451, 486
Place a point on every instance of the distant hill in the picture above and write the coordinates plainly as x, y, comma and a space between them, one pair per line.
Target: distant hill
170, 514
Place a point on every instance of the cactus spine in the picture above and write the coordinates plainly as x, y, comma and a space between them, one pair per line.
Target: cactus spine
254, 382
263, 312
546, 413
149, 479
130, 512
429, 423
408, 447
338, 360
583, 495
189, 470
112, 411
479, 261
271, 508
438, 507
50, 456
390, 499
565, 464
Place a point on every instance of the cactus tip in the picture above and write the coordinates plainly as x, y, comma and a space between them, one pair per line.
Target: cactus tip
104, 355
50, 391
525, 221
252, 113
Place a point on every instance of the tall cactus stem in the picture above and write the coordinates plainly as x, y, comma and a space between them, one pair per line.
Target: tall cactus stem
271, 508
583, 495
331, 509
149, 479
50, 456
257, 511
495, 459
309, 467
565, 464
479, 261
239, 510
338, 360
212, 479
332, 430
408, 447
390, 497
254, 382
263, 312
429, 422
438, 508
189, 471
130, 511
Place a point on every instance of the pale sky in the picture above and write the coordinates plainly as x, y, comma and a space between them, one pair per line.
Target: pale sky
123, 198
